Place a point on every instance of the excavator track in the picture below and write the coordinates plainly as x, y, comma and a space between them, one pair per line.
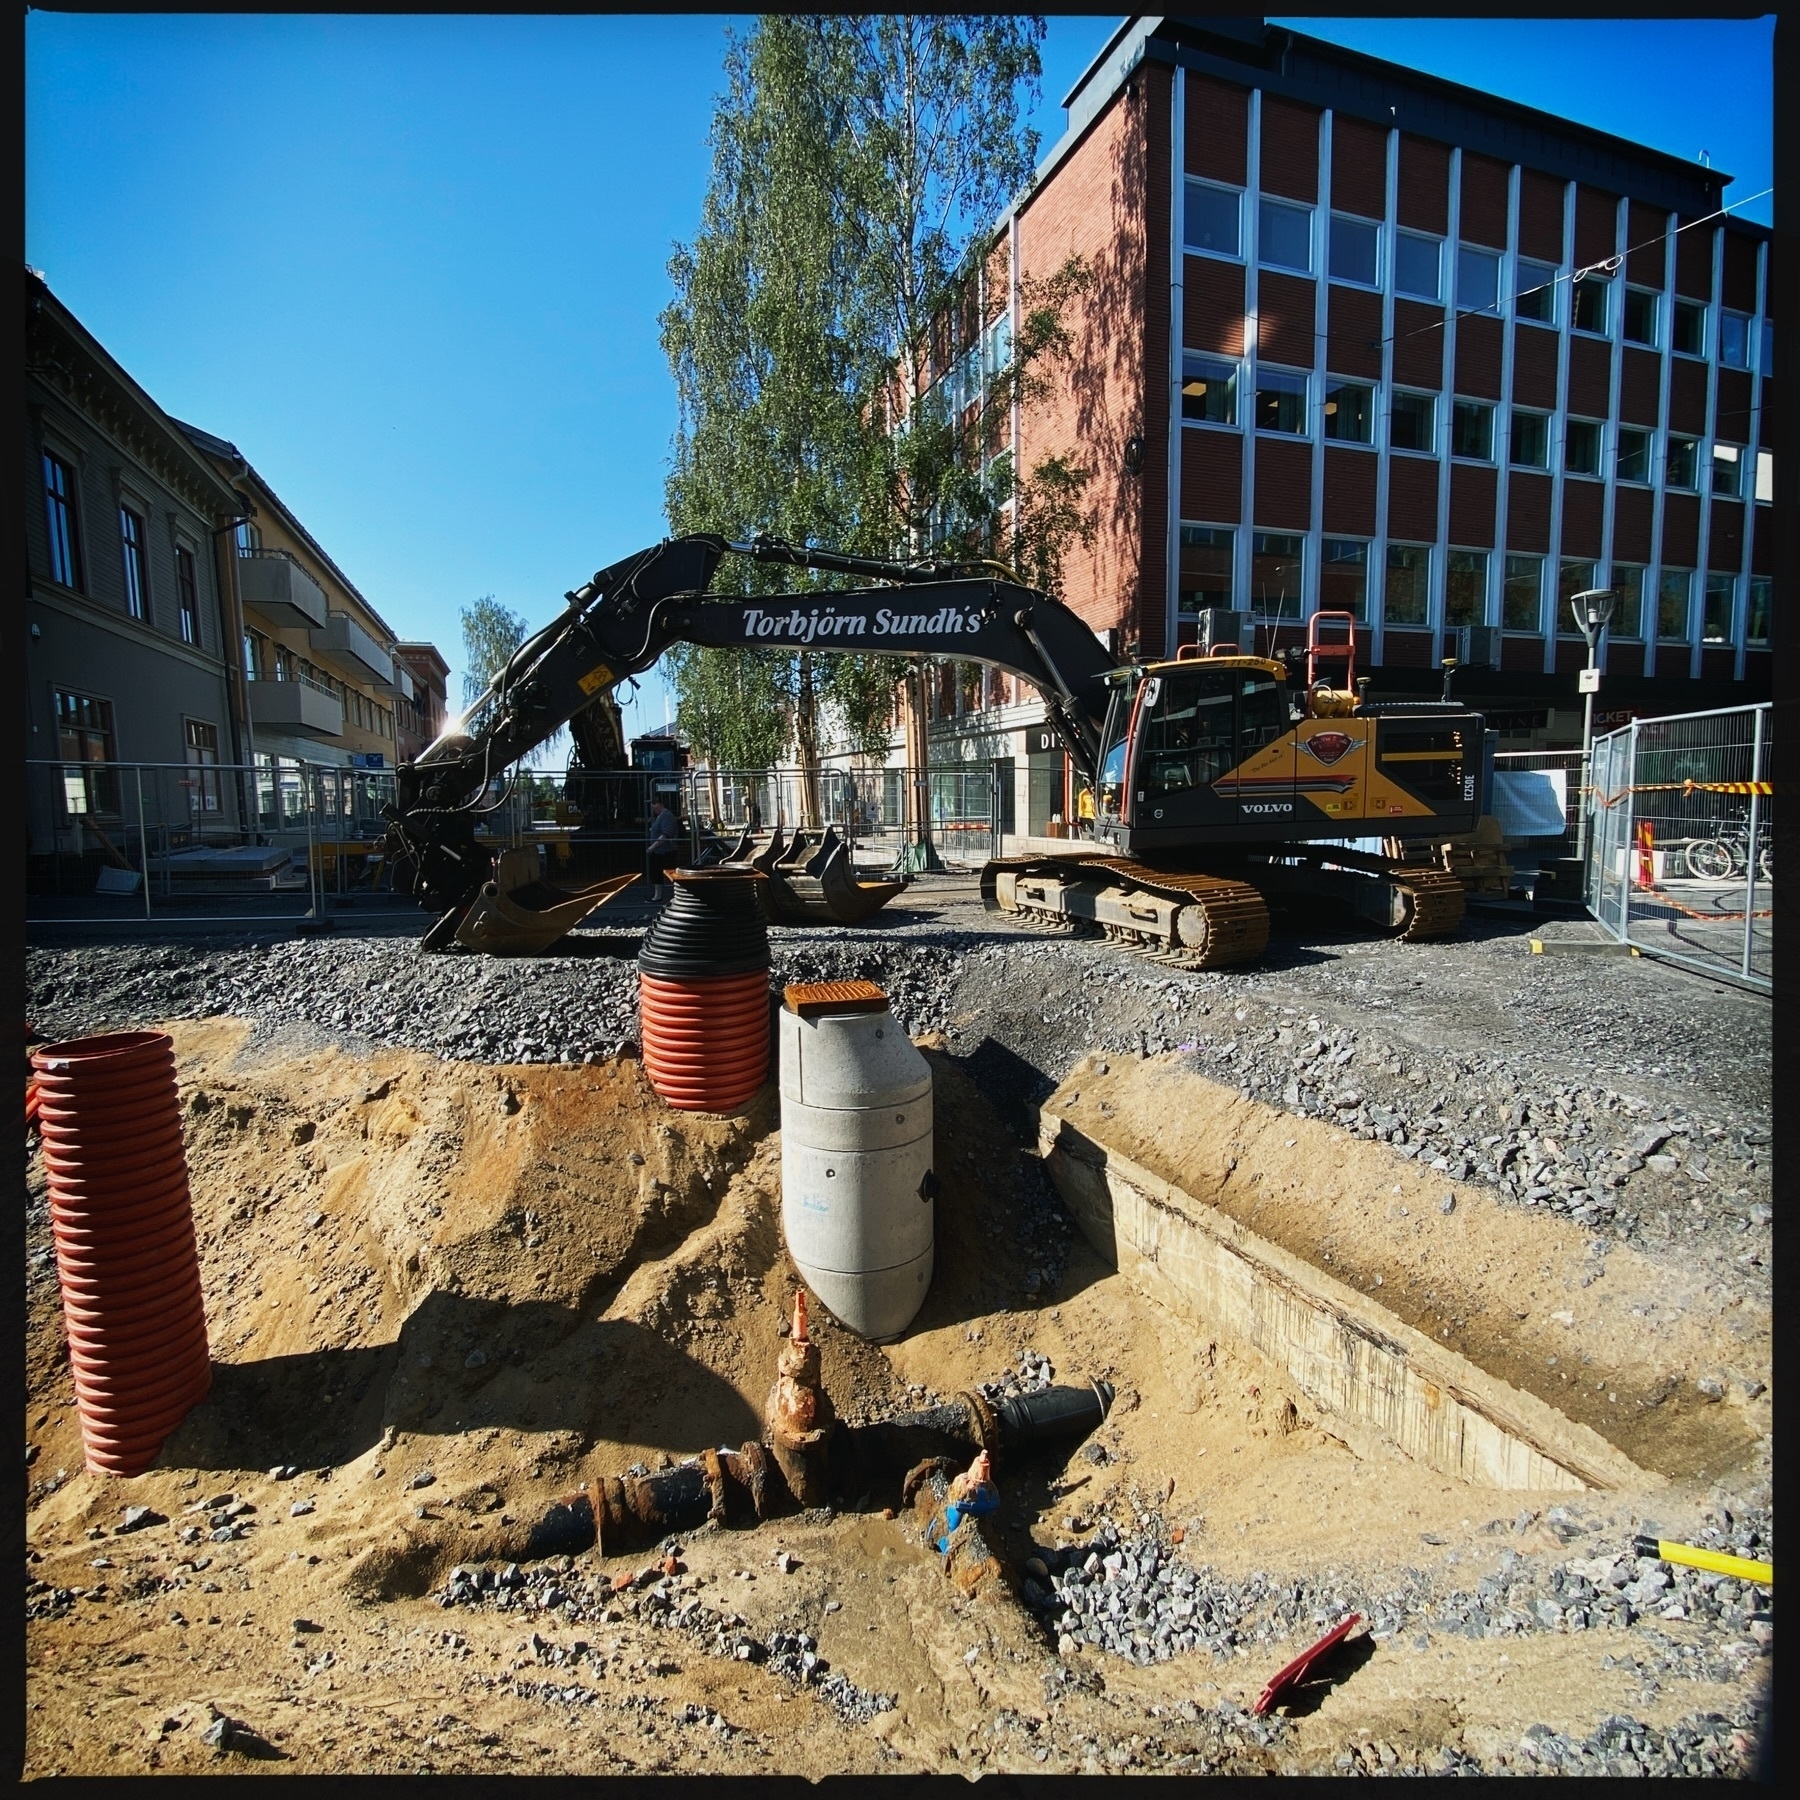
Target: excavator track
1435, 902
1202, 921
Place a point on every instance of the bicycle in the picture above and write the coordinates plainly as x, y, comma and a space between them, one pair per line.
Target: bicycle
1720, 858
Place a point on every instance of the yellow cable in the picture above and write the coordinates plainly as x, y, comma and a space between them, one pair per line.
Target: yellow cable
1739, 1568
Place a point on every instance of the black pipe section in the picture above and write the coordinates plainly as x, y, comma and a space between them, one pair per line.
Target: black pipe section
713, 926
745, 1486
1053, 1413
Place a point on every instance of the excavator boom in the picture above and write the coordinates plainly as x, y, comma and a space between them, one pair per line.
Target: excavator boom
1196, 761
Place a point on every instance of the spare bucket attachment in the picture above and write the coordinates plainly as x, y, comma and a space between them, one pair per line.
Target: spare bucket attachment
518, 913
812, 879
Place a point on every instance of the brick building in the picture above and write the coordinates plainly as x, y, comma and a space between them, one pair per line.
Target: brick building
420, 717
1364, 339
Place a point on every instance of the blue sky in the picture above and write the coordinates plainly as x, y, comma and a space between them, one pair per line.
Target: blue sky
412, 265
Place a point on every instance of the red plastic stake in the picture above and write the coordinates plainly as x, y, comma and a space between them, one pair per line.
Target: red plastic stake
1297, 1670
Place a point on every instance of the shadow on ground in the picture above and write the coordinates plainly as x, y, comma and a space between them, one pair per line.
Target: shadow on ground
462, 1365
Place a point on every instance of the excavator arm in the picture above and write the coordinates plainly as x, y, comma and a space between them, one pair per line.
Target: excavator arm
620, 622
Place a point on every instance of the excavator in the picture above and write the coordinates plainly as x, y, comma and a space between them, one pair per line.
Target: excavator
1220, 781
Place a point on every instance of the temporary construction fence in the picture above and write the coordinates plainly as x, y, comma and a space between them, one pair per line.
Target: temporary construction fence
872, 810
186, 842
169, 843
1680, 844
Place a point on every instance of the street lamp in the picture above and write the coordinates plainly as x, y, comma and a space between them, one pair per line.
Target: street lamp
1592, 608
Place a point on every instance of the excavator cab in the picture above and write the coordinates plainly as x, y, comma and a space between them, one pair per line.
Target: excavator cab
1196, 748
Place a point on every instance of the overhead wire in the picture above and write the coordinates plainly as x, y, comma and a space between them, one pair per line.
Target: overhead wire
1608, 265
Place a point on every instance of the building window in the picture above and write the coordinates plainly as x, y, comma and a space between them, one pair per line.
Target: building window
1727, 470
1674, 597
1573, 576
84, 737
1687, 328
1581, 447
1766, 366
1406, 593
249, 539
1284, 236
1683, 466
1204, 578
1715, 612
131, 545
187, 594
1522, 594
1212, 219
1418, 267
1633, 460
1275, 574
1472, 430
1465, 588
1280, 401
1344, 577
1349, 412
1639, 324
1531, 440
1412, 422
1590, 304
1756, 616
1355, 251
1208, 389
253, 654
1477, 280
1734, 340
203, 766
285, 669
1628, 602
63, 521
1534, 292
1765, 477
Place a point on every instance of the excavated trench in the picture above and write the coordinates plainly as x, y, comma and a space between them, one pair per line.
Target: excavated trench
441, 1294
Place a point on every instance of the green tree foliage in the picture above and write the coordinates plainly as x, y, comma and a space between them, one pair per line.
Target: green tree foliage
859, 164
771, 437
490, 634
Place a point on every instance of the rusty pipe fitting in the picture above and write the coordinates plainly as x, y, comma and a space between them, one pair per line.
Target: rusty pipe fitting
799, 1418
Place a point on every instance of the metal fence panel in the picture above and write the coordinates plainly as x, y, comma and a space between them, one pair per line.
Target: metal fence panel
1681, 858
124, 843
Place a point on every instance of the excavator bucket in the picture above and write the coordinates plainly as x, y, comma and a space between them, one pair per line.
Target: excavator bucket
518, 913
812, 881
816, 883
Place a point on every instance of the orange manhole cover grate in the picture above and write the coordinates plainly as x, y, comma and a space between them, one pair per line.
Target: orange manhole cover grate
808, 998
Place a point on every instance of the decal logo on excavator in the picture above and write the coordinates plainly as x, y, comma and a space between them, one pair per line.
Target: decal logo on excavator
1330, 746
596, 677
806, 627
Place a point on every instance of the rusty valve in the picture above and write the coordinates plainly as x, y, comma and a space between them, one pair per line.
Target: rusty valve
800, 1418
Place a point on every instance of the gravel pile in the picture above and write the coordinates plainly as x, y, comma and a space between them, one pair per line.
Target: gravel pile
558, 1592
1629, 1096
1135, 1594
1702, 1744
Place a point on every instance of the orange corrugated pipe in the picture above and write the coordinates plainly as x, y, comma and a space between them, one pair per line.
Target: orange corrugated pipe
706, 1040
120, 1213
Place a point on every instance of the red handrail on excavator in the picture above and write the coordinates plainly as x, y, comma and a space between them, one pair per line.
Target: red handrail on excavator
1342, 650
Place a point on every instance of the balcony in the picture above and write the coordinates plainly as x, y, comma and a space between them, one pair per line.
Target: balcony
280, 589
344, 638
299, 706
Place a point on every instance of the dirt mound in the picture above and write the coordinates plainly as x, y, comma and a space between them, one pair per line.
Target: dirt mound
440, 1293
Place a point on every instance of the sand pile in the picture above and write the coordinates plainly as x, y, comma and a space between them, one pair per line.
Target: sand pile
441, 1292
